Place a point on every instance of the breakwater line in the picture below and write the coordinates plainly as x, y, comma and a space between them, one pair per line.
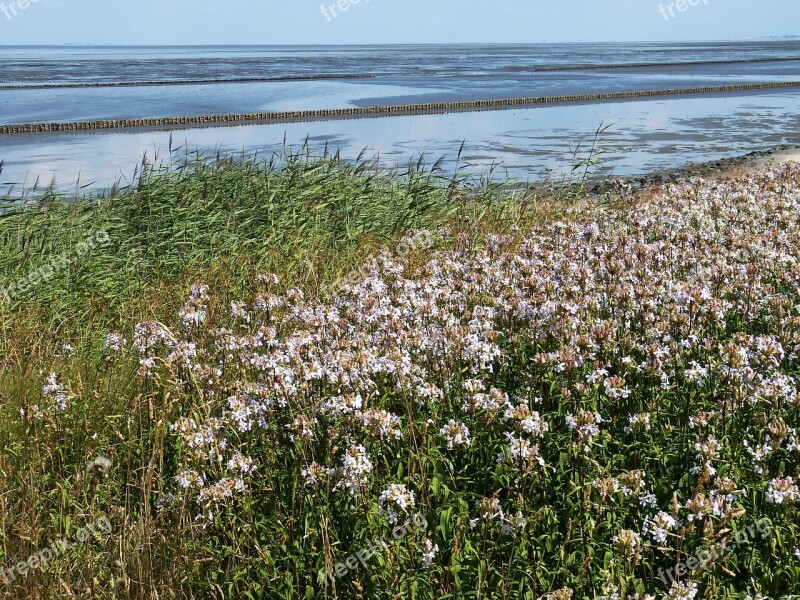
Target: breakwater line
264, 118
6, 87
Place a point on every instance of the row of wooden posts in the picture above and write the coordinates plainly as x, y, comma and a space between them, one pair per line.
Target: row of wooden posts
374, 111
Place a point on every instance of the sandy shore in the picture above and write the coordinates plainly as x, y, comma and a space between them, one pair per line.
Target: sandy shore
725, 168
777, 157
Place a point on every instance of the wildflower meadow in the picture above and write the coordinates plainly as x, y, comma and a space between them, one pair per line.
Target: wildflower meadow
600, 401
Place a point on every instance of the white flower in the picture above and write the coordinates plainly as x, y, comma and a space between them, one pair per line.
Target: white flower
659, 526
381, 424
760, 455
429, 554
696, 373
33, 412
355, 471
114, 342
490, 402
314, 473
146, 366
490, 509
520, 453
585, 426
526, 420
396, 495
682, 591
782, 490
189, 478
707, 452
343, 405
512, 525
55, 392
794, 444
193, 318
456, 434
640, 422
302, 428
648, 500
221, 491
615, 388
241, 464
596, 375
239, 311
148, 335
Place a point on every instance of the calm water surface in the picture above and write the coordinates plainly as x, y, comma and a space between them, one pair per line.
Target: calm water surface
644, 135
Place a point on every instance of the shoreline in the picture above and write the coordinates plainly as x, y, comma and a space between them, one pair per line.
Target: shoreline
719, 169
724, 168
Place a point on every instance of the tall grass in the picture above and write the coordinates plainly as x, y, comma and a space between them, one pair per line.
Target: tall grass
311, 218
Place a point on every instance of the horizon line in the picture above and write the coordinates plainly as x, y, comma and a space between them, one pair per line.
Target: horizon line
109, 45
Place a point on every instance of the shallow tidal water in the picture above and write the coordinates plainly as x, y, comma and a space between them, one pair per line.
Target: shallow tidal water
526, 144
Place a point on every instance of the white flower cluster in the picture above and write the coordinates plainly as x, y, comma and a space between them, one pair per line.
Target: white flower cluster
782, 490
585, 426
659, 527
682, 591
397, 497
456, 434
355, 471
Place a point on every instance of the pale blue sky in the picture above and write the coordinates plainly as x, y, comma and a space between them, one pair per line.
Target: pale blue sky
388, 21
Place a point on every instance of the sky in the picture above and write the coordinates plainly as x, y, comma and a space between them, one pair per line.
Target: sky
179, 22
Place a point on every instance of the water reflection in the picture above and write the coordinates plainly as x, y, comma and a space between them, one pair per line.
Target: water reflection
643, 136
